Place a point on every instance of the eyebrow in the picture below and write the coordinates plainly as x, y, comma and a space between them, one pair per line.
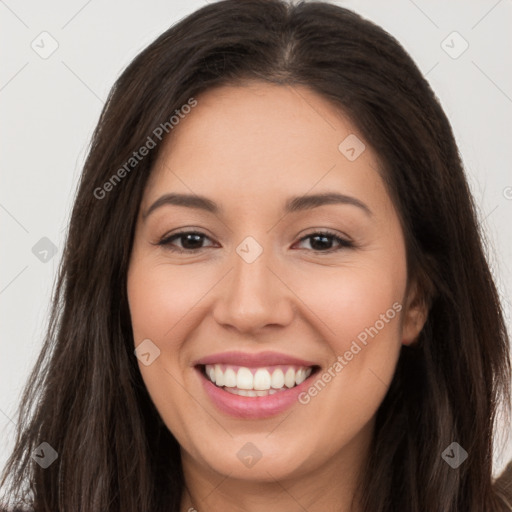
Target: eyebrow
293, 204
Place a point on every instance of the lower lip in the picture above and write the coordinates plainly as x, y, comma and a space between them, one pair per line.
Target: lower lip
256, 407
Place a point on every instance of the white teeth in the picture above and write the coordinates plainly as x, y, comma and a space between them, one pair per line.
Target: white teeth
278, 379
300, 376
230, 378
251, 392
262, 379
242, 381
289, 378
219, 376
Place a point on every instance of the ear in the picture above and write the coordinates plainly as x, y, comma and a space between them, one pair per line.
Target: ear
415, 314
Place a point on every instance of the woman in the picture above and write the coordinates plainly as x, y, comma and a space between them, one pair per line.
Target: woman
334, 341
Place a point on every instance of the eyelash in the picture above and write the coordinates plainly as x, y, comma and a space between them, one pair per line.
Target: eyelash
343, 243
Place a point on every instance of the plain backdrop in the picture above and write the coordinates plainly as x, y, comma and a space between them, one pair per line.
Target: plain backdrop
50, 103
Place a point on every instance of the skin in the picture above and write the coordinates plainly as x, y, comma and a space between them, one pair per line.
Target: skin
249, 148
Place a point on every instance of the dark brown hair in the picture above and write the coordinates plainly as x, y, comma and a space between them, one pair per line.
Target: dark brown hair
85, 396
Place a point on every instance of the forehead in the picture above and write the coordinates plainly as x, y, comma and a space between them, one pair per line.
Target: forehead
264, 140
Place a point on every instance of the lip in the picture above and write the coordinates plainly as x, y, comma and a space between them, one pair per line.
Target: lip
253, 360
258, 407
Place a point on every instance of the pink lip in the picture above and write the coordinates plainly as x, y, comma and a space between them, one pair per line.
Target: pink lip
251, 360
253, 407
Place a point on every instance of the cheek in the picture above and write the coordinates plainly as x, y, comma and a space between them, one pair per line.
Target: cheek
361, 307
354, 302
161, 298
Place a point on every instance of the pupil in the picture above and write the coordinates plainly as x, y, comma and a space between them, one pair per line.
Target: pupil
320, 246
186, 238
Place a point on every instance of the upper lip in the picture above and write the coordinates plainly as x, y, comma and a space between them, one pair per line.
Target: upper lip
248, 359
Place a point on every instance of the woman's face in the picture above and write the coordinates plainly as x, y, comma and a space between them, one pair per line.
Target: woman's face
260, 279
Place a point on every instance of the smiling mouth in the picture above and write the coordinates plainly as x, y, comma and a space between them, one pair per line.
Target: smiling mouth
256, 381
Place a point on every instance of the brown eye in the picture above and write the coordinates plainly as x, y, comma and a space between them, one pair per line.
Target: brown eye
191, 241
322, 241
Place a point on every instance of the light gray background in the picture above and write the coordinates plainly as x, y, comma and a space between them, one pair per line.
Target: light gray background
50, 106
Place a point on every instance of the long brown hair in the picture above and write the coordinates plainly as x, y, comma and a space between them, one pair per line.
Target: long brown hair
85, 396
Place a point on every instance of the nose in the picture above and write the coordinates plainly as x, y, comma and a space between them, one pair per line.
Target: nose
253, 296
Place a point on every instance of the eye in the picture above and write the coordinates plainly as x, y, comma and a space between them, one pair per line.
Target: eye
322, 241
191, 241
